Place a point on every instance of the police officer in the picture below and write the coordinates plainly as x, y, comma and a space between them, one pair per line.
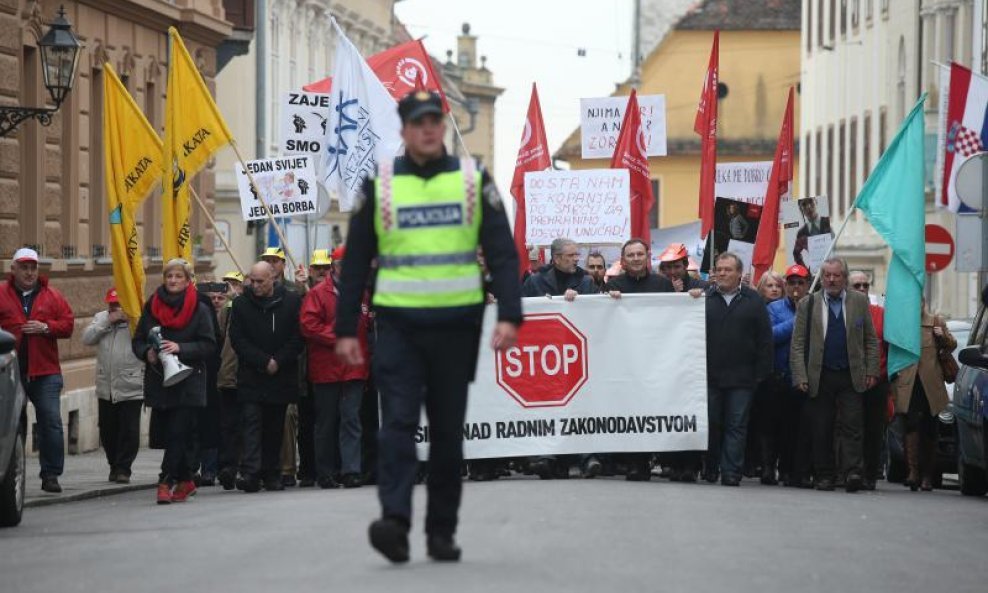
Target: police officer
423, 217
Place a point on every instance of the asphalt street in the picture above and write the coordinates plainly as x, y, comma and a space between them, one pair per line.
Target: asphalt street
518, 535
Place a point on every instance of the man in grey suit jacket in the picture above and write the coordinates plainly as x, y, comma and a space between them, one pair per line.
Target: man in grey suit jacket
834, 357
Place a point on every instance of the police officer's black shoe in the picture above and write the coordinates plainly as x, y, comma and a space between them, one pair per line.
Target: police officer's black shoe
442, 548
389, 536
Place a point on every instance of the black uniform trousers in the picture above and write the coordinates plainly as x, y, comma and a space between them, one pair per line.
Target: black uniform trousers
875, 412
415, 367
231, 430
264, 429
120, 432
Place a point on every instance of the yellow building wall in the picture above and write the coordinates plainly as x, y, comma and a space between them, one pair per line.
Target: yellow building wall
758, 68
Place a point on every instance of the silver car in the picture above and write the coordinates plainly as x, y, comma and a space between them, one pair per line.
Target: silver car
12, 434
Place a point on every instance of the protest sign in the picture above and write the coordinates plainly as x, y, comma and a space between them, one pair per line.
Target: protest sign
591, 376
735, 229
287, 184
587, 206
600, 125
803, 221
744, 182
303, 122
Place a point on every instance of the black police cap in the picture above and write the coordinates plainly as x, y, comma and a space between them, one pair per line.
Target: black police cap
417, 104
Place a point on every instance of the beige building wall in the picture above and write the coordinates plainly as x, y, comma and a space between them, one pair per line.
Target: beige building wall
865, 63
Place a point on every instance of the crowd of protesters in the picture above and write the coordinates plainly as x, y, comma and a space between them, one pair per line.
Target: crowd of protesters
797, 385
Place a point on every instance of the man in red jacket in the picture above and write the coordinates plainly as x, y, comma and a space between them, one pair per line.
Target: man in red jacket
337, 386
38, 315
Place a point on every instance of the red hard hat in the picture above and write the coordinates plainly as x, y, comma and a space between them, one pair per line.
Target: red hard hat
674, 252
338, 253
111, 296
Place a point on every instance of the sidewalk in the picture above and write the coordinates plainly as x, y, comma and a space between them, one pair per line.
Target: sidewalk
86, 475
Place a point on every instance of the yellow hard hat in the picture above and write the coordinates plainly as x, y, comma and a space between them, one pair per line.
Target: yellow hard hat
320, 257
237, 276
274, 252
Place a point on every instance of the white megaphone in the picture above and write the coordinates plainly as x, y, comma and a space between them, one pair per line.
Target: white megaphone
174, 371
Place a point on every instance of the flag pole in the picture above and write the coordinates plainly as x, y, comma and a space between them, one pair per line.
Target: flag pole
267, 210
212, 221
456, 129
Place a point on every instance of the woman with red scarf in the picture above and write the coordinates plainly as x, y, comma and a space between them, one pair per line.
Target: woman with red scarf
187, 332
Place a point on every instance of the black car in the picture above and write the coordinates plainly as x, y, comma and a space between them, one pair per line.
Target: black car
13, 429
971, 409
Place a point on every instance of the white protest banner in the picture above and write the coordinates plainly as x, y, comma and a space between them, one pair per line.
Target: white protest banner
591, 376
587, 206
600, 124
303, 122
817, 248
287, 184
744, 182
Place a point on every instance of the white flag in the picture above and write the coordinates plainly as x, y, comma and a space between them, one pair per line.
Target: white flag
363, 127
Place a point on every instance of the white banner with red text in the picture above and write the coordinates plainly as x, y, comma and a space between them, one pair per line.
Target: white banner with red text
597, 375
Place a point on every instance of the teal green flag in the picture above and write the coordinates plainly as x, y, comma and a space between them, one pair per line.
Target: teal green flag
893, 200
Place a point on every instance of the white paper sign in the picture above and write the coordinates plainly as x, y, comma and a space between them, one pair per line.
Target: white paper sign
744, 182
600, 124
818, 246
587, 206
746, 251
621, 397
287, 184
303, 122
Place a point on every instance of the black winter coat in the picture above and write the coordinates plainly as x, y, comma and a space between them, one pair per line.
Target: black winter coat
262, 329
544, 282
648, 283
197, 343
739, 340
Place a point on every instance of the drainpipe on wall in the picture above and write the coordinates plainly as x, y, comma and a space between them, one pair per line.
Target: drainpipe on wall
260, 100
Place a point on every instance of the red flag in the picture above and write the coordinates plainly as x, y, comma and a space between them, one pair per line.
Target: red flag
631, 154
779, 188
706, 126
399, 69
533, 155
320, 86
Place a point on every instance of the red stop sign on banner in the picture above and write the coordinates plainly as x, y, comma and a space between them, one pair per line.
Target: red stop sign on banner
548, 365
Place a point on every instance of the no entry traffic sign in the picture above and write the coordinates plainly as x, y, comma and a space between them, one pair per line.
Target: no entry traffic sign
939, 248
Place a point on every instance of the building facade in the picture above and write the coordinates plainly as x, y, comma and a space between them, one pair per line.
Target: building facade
865, 63
52, 187
296, 47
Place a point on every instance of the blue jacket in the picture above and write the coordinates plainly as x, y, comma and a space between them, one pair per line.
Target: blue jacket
782, 314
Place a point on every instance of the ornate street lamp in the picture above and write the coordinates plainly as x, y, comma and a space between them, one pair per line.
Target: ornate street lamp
59, 62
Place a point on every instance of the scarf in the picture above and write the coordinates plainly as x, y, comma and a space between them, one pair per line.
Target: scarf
174, 311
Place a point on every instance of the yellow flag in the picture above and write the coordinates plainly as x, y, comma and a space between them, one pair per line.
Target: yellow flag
194, 130
132, 155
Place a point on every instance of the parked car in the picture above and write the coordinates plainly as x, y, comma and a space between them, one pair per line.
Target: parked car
13, 430
946, 458
971, 410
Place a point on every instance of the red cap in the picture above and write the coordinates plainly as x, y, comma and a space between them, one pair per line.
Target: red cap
111, 296
797, 270
338, 253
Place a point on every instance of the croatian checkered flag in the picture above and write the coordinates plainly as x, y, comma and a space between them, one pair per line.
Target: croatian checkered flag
963, 141
363, 127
